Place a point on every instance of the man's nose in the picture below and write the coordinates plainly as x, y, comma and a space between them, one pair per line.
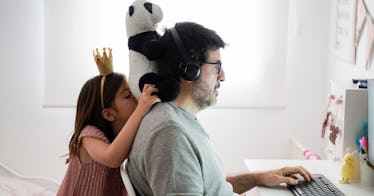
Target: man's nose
221, 75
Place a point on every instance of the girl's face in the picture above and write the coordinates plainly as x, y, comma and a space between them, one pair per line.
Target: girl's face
123, 106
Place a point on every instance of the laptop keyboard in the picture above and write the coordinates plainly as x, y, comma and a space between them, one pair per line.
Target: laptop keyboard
320, 185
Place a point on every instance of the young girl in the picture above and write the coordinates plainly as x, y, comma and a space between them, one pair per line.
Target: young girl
107, 119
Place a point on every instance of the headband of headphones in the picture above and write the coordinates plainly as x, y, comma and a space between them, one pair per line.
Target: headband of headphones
180, 46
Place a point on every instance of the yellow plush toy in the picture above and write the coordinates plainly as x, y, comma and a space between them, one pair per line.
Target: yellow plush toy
348, 168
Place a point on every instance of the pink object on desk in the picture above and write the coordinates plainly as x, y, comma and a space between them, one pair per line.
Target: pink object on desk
312, 156
364, 144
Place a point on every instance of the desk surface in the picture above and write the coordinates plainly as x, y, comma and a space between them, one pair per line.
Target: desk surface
327, 168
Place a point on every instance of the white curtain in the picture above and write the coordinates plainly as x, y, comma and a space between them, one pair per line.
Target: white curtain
254, 61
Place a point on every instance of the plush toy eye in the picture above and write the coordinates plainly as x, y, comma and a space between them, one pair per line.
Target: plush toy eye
131, 10
148, 6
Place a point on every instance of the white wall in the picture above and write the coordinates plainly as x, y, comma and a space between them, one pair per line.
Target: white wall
33, 138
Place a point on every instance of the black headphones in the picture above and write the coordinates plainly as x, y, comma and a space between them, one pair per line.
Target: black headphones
189, 70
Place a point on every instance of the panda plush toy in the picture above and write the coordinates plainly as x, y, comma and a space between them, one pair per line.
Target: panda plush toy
142, 19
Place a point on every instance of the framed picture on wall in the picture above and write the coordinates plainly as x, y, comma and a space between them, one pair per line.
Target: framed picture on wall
344, 46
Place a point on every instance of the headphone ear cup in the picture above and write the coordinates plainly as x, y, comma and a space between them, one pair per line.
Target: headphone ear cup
190, 71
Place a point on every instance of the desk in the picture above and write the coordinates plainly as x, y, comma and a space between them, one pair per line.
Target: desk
325, 167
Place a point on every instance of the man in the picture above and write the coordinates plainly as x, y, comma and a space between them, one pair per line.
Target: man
171, 154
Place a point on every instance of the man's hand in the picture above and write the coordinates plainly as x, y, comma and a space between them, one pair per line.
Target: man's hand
244, 182
288, 175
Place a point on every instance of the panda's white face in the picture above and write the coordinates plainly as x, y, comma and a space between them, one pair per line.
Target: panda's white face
142, 16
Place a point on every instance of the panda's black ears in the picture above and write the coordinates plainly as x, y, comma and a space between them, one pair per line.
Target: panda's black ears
153, 49
168, 88
131, 10
148, 7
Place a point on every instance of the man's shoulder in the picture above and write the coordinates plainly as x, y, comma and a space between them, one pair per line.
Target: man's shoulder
162, 118
161, 113
167, 118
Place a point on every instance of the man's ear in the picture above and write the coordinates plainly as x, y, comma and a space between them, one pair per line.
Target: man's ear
108, 114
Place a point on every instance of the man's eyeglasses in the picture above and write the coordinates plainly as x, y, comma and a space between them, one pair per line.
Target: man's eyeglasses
217, 64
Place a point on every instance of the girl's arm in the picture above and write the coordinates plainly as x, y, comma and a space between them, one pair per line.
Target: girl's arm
112, 155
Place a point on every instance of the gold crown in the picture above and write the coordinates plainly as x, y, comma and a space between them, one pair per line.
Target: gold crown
105, 65
104, 62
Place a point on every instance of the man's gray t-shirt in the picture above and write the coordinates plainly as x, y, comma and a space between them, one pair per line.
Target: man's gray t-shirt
172, 155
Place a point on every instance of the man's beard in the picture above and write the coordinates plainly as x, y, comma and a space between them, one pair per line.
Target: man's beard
203, 95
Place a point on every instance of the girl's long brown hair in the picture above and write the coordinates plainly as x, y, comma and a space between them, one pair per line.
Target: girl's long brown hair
89, 108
